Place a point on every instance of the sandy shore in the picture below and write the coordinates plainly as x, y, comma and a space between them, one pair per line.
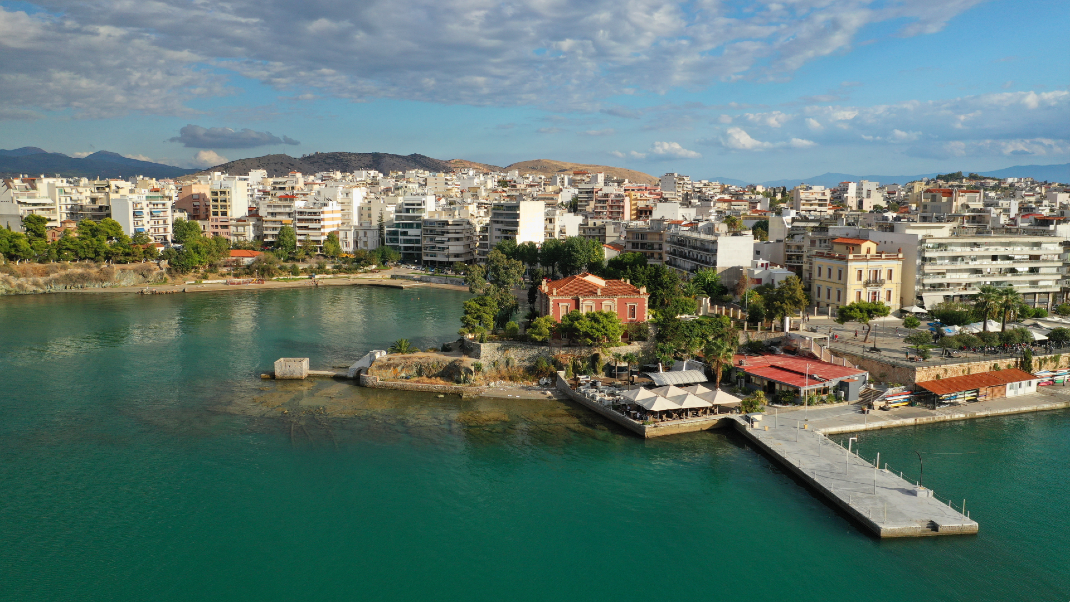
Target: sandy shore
347, 280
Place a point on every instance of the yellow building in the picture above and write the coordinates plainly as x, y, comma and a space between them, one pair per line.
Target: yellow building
855, 271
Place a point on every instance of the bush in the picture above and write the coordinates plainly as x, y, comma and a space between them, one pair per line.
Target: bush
447, 347
911, 322
1059, 336
754, 403
512, 330
568, 371
638, 331
1063, 309
542, 367
477, 366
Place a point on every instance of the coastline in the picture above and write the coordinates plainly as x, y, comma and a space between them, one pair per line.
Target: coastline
270, 284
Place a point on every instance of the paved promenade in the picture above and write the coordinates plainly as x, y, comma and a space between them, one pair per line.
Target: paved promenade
880, 500
849, 418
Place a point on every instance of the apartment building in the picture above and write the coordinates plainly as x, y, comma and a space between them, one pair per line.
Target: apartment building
811, 200
228, 198
276, 212
193, 198
650, 241
688, 251
604, 231
449, 240
955, 267
522, 221
25, 196
141, 213
612, 204
314, 220
405, 234
561, 224
854, 270
675, 187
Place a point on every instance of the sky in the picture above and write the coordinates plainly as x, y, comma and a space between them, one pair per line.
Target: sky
707, 88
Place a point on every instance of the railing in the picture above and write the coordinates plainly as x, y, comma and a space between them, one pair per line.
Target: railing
874, 282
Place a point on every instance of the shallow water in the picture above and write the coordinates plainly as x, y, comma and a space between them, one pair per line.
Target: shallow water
140, 459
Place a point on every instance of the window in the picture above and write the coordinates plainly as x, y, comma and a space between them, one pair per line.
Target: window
858, 295
818, 271
889, 275
828, 292
838, 291
607, 306
839, 274
858, 275
887, 294
587, 307
563, 308
633, 311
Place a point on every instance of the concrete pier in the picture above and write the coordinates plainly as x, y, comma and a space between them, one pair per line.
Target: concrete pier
883, 502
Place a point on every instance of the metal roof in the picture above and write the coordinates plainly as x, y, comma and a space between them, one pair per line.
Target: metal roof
976, 381
677, 377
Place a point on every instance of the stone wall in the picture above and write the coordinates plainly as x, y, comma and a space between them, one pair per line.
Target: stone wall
291, 368
888, 372
373, 382
524, 354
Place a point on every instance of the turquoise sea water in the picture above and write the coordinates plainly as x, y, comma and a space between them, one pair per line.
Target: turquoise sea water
139, 461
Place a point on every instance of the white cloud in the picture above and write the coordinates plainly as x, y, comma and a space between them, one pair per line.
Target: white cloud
628, 155
605, 132
739, 139
774, 119
724, 119
673, 150
814, 124
548, 130
100, 58
208, 158
81, 154
143, 158
801, 143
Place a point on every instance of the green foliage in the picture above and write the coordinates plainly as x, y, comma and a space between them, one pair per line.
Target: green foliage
568, 371
1059, 336
479, 314
719, 353
708, 281
477, 366
35, 226
592, 328
760, 230
788, 299
331, 247
542, 367
386, 255
919, 339
542, 329
754, 403
181, 231
953, 313
638, 331
620, 266
401, 346
911, 322
1063, 309
512, 330
1027, 360
493, 284
581, 255
950, 177
989, 338
286, 243
1015, 336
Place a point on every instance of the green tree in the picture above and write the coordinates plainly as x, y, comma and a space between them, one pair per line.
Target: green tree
286, 243
1063, 309
1009, 301
986, 302
1027, 360
331, 247
919, 339
760, 229
709, 282
582, 255
862, 312
788, 299
386, 255
620, 266
35, 226
754, 403
512, 330
479, 314
1059, 336
953, 313
600, 328
181, 231
542, 329
550, 256
719, 353
911, 322
401, 346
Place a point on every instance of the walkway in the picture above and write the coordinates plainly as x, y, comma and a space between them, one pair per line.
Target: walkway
880, 500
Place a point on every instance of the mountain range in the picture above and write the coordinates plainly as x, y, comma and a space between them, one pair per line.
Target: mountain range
33, 161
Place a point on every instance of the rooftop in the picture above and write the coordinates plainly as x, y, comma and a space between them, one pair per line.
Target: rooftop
793, 370
975, 381
590, 285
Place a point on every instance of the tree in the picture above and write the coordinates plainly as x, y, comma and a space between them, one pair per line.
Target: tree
1009, 301
620, 266
708, 281
331, 247
754, 403
542, 329
919, 339
551, 254
788, 299
719, 353
478, 316
732, 222
401, 346
387, 255
1063, 309
986, 302
286, 243
582, 255
862, 312
1059, 336
512, 330
760, 230
1027, 360
953, 313
911, 322
35, 226
182, 231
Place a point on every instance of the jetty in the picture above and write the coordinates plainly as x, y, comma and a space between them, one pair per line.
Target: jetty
878, 499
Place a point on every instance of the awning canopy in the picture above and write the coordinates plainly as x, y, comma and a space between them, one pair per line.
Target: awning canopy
678, 377
715, 397
638, 394
914, 309
931, 300
657, 404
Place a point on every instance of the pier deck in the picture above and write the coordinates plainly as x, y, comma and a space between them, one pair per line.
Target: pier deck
882, 501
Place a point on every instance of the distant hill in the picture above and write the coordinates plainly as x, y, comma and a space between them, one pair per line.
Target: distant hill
482, 167
33, 161
280, 165
549, 167
1049, 173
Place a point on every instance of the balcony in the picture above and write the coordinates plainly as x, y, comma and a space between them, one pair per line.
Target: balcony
874, 283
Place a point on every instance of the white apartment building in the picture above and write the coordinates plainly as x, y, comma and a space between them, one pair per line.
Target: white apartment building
523, 221
228, 199
276, 212
688, 251
314, 220
561, 224
405, 234
26, 196
142, 213
811, 200
449, 240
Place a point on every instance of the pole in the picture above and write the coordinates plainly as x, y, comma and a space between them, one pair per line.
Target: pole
921, 472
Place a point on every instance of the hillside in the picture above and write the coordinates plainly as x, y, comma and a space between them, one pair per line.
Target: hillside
550, 167
33, 161
279, 165
466, 164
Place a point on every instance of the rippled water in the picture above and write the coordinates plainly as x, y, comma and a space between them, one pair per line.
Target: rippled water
138, 460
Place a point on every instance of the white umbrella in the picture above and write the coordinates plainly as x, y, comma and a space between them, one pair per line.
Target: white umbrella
657, 404
691, 402
669, 391
1037, 335
914, 309
638, 394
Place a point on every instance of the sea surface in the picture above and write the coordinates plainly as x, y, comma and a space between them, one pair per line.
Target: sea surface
142, 458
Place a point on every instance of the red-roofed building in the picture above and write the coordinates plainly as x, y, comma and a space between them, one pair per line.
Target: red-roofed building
773, 374
243, 257
587, 292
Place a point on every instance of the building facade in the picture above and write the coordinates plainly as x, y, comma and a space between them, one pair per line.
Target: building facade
853, 270
587, 292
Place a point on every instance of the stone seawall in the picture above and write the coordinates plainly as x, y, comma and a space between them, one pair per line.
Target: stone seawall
373, 382
889, 372
525, 353
963, 415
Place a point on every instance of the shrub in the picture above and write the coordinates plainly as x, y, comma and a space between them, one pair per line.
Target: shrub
911, 322
477, 366
447, 347
568, 371
638, 331
542, 367
754, 403
1063, 309
512, 330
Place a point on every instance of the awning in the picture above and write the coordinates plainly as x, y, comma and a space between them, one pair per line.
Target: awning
914, 309
931, 300
715, 397
638, 394
657, 404
678, 377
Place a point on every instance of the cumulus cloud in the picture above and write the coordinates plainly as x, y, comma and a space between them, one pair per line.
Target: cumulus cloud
736, 138
208, 158
100, 58
673, 150
195, 136
628, 155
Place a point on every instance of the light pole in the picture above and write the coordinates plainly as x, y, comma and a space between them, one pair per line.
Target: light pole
847, 457
921, 470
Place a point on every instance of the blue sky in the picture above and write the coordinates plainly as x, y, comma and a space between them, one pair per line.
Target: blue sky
745, 90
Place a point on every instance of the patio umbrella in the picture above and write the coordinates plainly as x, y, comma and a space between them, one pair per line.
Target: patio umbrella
638, 394
657, 404
914, 309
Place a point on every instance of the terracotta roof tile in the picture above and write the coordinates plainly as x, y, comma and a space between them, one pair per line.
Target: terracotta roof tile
589, 284
975, 381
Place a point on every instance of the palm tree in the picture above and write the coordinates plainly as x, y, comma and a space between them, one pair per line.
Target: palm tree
617, 359
1009, 300
401, 346
631, 358
719, 353
986, 301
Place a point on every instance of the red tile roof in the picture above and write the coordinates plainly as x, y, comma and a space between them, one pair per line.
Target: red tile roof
244, 253
794, 370
588, 284
851, 241
975, 381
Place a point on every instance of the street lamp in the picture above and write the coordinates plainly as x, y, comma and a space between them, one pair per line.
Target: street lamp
921, 471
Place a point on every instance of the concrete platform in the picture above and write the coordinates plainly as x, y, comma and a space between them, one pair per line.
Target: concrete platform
883, 502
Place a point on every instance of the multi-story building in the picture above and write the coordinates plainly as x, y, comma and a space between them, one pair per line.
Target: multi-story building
811, 200
314, 220
449, 240
854, 270
276, 212
140, 213
587, 293
25, 196
953, 268
405, 233
604, 231
689, 251
650, 241
159, 220
676, 187
561, 224
228, 198
194, 199
612, 204
522, 221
